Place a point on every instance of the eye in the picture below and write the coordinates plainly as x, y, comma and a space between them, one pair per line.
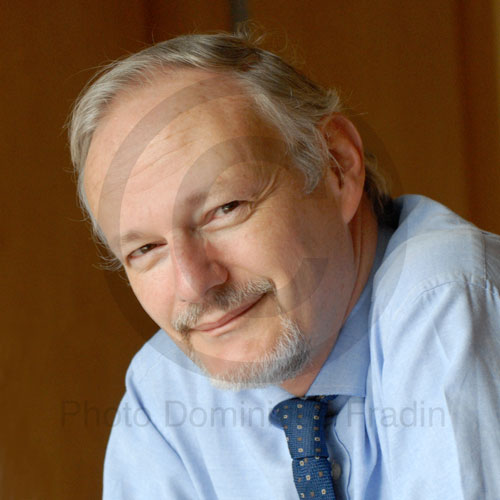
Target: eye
228, 215
143, 250
229, 207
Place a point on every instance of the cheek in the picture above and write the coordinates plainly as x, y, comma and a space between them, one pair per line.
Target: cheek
275, 251
271, 250
155, 296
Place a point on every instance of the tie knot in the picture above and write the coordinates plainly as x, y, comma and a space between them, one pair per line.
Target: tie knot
303, 421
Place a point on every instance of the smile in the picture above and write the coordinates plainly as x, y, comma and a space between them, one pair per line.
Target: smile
225, 323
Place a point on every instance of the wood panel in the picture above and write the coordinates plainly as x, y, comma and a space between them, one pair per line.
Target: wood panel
172, 18
56, 346
400, 66
480, 58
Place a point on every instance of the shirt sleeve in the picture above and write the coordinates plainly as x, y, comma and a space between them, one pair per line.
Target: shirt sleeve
140, 464
439, 410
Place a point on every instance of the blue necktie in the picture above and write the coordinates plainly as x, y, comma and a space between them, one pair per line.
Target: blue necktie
303, 421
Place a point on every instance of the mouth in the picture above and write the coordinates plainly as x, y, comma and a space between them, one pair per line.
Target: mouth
224, 324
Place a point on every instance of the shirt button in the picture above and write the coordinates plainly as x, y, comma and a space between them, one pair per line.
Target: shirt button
336, 471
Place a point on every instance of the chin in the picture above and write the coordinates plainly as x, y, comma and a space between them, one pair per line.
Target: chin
288, 358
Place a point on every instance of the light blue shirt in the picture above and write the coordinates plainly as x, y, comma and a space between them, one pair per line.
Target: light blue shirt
416, 367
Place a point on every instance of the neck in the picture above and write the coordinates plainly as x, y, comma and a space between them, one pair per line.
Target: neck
364, 229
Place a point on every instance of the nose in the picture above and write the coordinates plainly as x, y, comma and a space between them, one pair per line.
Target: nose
195, 270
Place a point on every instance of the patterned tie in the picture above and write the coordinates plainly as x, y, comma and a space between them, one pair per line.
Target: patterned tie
303, 421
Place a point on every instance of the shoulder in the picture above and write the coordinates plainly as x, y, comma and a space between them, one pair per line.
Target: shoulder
433, 247
435, 348
141, 460
170, 389
436, 296
160, 367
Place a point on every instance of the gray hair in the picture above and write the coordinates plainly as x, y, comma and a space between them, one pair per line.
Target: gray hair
285, 97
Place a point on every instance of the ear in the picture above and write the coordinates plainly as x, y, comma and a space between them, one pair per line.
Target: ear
346, 147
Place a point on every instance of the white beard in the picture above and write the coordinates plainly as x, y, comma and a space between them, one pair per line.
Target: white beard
287, 359
290, 356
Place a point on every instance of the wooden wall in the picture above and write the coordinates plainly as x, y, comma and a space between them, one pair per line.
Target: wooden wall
421, 78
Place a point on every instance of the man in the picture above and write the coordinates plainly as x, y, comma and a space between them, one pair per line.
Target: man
317, 339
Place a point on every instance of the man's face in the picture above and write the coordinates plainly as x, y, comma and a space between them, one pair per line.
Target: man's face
221, 245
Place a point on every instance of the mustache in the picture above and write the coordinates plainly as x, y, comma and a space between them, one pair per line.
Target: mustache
225, 298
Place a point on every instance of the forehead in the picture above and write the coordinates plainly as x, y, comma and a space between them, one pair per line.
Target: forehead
159, 130
174, 107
